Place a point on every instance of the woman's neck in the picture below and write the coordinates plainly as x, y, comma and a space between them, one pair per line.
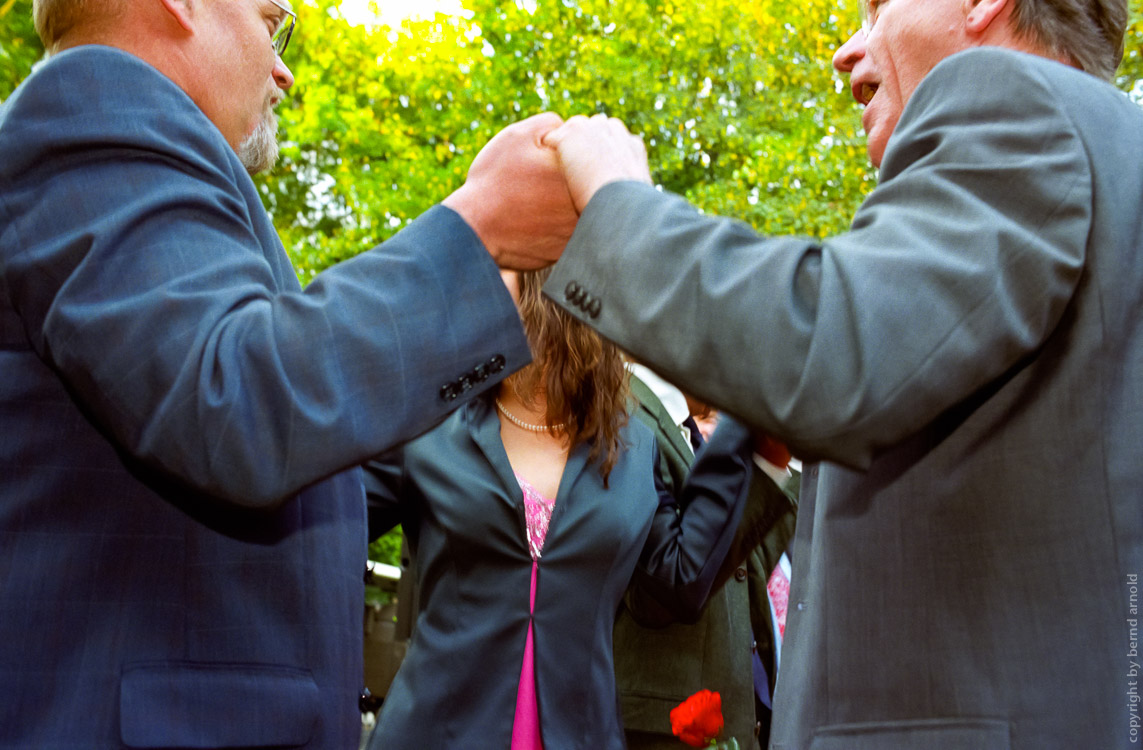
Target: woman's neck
533, 412
533, 451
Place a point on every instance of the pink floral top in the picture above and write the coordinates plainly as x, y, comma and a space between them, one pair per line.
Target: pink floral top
537, 516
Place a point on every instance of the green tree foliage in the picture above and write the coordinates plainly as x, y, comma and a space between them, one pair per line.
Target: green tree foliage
20, 48
1130, 77
736, 101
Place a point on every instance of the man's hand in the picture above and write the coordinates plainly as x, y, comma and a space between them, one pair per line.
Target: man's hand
515, 197
596, 151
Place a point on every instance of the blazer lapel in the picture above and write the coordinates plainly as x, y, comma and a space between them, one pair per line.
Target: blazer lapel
651, 405
576, 465
484, 427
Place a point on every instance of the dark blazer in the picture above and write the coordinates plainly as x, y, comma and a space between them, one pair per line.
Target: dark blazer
656, 668
455, 493
181, 544
968, 363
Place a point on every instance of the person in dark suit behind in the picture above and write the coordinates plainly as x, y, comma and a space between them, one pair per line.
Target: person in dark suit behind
965, 365
530, 512
658, 666
181, 529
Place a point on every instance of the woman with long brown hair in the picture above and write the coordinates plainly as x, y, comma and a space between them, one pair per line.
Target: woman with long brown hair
530, 514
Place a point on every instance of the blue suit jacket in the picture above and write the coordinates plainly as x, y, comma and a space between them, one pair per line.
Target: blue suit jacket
463, 511
181, 544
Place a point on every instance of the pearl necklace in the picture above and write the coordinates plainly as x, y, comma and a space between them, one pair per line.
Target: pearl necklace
525, 425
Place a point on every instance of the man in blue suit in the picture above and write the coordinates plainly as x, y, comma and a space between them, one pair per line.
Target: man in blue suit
182, 531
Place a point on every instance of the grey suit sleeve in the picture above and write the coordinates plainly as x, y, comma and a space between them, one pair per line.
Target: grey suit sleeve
957, 267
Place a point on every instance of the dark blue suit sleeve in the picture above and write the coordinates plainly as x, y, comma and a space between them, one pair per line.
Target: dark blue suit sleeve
384, 476
684, 550
147, 276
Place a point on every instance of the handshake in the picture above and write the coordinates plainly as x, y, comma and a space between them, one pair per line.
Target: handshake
528, 185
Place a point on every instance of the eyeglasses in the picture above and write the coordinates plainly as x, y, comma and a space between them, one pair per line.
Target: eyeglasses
280, 39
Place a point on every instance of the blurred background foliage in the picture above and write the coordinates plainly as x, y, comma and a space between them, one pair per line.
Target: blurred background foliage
736, 99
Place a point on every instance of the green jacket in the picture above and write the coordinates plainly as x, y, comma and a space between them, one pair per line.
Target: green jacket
658, 668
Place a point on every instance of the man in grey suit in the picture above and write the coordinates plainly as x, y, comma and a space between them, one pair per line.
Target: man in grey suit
965, 365
182, 529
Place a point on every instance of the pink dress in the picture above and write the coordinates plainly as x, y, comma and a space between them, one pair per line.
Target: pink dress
526, 727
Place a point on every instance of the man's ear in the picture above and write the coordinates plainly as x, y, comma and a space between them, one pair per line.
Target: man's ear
182, 11
980, 14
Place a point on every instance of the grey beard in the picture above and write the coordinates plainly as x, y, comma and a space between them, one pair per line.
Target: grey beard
259, 151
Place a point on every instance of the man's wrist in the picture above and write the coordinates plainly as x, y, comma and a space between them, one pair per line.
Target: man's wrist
468, 209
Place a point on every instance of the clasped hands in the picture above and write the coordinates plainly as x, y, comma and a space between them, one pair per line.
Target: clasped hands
527, 187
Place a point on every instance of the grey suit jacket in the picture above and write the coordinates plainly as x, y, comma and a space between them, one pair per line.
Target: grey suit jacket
182, 539
967, 363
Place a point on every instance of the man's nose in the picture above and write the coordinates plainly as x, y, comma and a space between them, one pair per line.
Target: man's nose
850, 53
282, 75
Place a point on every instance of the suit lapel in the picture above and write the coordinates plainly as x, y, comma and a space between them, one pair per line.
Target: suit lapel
484, 427
651, 405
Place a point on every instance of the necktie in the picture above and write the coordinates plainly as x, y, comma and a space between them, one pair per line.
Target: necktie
696, 435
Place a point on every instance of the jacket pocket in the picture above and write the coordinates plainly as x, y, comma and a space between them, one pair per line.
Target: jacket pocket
189, 705
931, 734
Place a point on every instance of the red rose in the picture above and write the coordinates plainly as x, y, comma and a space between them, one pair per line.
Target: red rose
698, 720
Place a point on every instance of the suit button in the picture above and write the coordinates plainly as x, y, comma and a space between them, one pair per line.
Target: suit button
496, 364
740, 574
754, 646
594, 308
367, 702
757, 728
448, 392
571, 291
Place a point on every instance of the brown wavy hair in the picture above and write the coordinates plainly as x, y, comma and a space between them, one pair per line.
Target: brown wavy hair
581, 375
